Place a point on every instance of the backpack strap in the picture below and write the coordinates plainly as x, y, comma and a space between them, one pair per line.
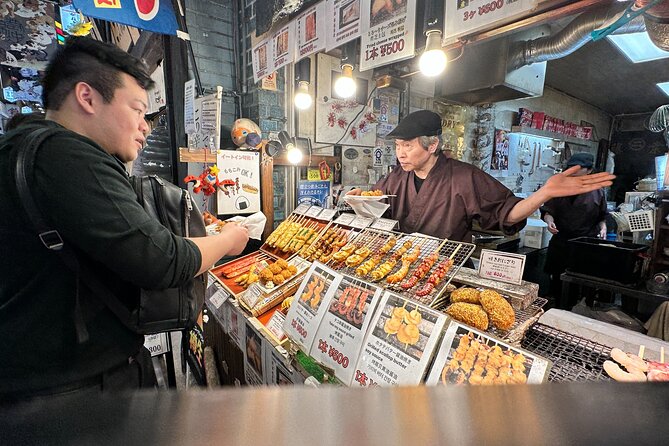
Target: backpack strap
50, 237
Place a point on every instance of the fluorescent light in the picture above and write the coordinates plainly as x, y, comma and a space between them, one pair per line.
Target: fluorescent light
664, 86
637, 47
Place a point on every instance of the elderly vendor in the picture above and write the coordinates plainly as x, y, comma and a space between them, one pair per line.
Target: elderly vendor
442, 197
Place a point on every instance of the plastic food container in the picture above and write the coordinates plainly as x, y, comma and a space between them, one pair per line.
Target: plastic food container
617, 261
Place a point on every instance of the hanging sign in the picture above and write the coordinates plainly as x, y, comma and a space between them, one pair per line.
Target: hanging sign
502, 266
340, 336
400, 345
467, 16
262, 58
269, 82
311, 32
310, 304
239, 182
388, 32
152, 15
189, 106
343, 22
283, 44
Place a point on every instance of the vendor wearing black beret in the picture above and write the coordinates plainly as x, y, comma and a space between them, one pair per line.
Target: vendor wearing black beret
441, 197
582, 215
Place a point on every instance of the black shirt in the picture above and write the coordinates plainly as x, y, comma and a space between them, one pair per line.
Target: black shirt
85, 194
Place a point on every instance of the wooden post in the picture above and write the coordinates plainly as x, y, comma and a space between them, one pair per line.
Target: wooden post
267, 191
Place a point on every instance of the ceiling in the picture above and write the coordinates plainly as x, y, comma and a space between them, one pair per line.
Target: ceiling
602, 76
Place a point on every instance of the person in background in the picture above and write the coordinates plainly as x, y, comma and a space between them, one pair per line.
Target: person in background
96, 96
582, 215
442, 197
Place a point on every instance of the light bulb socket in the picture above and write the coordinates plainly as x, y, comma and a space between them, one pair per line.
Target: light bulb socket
347, 70
433, 41
303, 70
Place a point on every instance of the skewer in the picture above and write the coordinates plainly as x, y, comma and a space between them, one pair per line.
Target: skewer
662, 355
642, 349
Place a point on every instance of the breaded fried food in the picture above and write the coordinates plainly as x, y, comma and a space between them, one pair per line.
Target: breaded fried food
470, 314
467, 295
499, 310
282, 263
286, 274
276, 269
292, 269
266, 275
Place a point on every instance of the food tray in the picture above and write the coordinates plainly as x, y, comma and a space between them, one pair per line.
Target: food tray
574, 358
326, 244
292, 235
241, 266
259, 303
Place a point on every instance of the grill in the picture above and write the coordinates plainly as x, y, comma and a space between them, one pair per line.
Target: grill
574, 358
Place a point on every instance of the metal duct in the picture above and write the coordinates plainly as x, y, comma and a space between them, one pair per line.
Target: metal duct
657, 23
571, 38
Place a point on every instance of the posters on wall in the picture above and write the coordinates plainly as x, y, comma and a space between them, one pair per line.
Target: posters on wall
262, 57
388, 32
28, 33
311, 30
500, 154
239, 178
283, 44
343, 22
467, 16
315, 193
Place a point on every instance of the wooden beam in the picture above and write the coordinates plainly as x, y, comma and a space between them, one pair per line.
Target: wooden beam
267, 192
281, 160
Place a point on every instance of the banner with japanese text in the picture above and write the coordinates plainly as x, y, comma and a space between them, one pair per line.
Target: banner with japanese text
239, 182
343, 22
466, 16
388, 32
311, 34
152, 15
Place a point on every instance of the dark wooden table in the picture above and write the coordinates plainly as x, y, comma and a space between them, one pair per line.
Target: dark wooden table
556, 414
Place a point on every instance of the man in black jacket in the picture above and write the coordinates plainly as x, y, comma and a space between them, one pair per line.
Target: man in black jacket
96, 94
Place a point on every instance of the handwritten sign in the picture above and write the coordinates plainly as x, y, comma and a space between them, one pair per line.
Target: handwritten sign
302, 209
385, 224
275, 326
502, 266
345, 219
361, 222
216, 295
314, 211
327, 214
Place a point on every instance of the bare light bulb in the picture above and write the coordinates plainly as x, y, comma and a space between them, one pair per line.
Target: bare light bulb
302, 97
433, 60
294, 155
345, 86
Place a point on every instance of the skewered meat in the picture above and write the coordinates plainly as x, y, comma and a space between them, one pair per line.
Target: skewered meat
421, 271
469, 314
468, 295
435, 277
499, 310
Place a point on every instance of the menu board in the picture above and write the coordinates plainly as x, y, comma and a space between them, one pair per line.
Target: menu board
468, 356
310, 304
343, 22
400, 343
388, 32
340, 336
311, 30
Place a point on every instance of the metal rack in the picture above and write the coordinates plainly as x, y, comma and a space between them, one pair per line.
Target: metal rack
574, 358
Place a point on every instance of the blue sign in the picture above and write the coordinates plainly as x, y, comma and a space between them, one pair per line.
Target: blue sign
315, 193
151, 15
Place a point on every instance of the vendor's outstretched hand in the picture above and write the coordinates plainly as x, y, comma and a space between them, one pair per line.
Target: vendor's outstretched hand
354, 192
565, 184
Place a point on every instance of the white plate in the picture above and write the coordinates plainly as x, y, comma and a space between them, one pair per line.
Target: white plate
367, 198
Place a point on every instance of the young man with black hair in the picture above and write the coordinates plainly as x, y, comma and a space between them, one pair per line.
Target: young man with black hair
96, 95
441, 197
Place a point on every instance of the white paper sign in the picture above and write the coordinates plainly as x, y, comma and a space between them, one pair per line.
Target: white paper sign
275, 326
314, 211
361, 222
327, 214
277, 367
216, 294
239, 178
345, 219
189, 106
302, 209
253, 358
283, 43
343, 22
399, 344
460, 341
467, 16
310, 304
311, 30
236, 325
388, 32
385, 224
340, 336
157, 344
262, 57
502, 266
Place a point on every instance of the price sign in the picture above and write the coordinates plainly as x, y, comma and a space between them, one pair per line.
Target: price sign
361, 222
502, 266
314, 211
345, 219
385, 224
327, 214
302, 209
467, 16
275, 325
157, 344
216, 295
314, 175
252, 295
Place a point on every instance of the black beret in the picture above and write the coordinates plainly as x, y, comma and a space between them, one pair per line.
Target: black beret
582, 159
418, 123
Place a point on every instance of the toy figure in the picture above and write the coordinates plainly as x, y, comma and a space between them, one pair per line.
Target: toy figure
246, 134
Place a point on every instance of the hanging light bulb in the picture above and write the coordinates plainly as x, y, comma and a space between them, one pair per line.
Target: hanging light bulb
294, 155
433, 60
345, 85
302, 97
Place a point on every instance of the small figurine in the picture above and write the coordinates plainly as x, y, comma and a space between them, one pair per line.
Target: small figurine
246, 134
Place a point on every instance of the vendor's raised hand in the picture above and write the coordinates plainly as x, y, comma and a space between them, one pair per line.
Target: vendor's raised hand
566, 184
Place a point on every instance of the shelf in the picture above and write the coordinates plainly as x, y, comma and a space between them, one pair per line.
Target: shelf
552, 135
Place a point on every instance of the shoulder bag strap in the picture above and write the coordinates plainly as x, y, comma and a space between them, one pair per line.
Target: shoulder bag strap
52, 239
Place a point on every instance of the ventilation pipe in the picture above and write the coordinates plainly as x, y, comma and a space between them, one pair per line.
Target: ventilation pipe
578, 33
